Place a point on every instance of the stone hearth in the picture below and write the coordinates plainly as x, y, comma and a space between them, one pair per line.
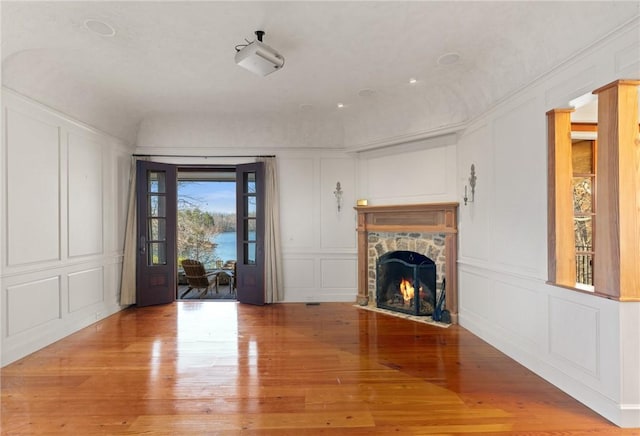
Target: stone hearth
428, 229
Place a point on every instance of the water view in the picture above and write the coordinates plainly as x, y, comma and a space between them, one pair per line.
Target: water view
206, 217
226, 248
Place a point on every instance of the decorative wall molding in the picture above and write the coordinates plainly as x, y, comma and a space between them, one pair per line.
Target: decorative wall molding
9, 96
597, 377
584, 352
21, 315
444, 132
47, 298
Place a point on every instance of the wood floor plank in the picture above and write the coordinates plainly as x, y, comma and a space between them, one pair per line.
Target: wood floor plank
287, 369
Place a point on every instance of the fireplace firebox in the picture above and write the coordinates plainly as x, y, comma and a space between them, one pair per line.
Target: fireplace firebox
406, 282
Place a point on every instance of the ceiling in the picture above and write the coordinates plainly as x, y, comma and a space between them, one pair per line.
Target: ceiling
177, 58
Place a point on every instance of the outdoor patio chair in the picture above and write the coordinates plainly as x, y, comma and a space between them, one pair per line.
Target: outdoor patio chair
198, 278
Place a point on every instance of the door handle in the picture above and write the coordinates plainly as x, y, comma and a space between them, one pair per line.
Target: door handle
143, 244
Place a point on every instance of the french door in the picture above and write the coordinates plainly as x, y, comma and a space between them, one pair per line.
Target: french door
156, 208
250, 192
157, 219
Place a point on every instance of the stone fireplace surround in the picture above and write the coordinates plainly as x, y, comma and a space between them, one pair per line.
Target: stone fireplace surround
429, 229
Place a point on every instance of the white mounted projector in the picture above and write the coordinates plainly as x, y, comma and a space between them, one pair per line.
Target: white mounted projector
259, 58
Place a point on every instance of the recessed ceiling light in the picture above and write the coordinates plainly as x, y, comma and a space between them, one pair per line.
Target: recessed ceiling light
340, 105
412, 80
366, 92
99, 27
448, 58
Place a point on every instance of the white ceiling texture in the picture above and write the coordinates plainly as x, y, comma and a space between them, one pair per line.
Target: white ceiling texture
177, 58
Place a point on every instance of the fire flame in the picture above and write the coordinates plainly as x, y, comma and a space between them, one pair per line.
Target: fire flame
408, 292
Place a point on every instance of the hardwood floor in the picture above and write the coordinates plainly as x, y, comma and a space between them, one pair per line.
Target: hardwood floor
225, 368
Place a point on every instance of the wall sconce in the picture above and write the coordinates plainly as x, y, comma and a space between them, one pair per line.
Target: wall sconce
338, 194
472, 183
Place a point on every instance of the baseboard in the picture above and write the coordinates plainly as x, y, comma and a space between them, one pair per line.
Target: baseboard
13, 350
622, 415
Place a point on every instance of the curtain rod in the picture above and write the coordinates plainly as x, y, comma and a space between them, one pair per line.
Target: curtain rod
205, 157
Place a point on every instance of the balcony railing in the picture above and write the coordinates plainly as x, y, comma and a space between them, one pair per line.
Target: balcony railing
584, 265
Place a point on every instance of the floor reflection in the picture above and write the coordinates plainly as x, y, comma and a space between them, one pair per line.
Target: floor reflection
223, 367
207, 336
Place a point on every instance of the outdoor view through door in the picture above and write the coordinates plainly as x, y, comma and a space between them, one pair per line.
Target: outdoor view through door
206, 233
200, 233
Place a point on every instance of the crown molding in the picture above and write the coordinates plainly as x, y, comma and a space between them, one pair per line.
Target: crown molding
407, 138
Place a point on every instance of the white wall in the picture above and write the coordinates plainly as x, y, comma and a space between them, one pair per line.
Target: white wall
586, 345
197, 133
63, 207
318, 241
423, 171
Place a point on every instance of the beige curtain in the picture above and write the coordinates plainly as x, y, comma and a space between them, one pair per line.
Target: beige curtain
128, 281
272, 251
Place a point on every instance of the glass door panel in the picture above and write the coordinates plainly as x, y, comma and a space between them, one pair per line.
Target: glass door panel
157, 199
250, 225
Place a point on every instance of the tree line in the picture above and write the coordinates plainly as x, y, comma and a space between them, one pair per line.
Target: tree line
197, 230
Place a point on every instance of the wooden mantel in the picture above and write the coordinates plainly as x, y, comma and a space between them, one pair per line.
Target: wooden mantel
426, 218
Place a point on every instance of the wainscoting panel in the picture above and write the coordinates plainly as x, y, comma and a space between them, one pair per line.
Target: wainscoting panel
85, 196
473, 295
337, 226
587, 349
61, 227
32, 304
520, 311
299, 273
339, 273
86, 288
414, 174
572, 342
519, 202
320, 277
33, 189
630, 390
296, 183
475, 237
576, 342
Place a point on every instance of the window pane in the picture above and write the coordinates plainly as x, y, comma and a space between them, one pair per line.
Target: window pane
250, 183
250, 230
157, 229
157, 206
582, 195
251, 206
583, 233
249, 253
157, 253
157, 181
